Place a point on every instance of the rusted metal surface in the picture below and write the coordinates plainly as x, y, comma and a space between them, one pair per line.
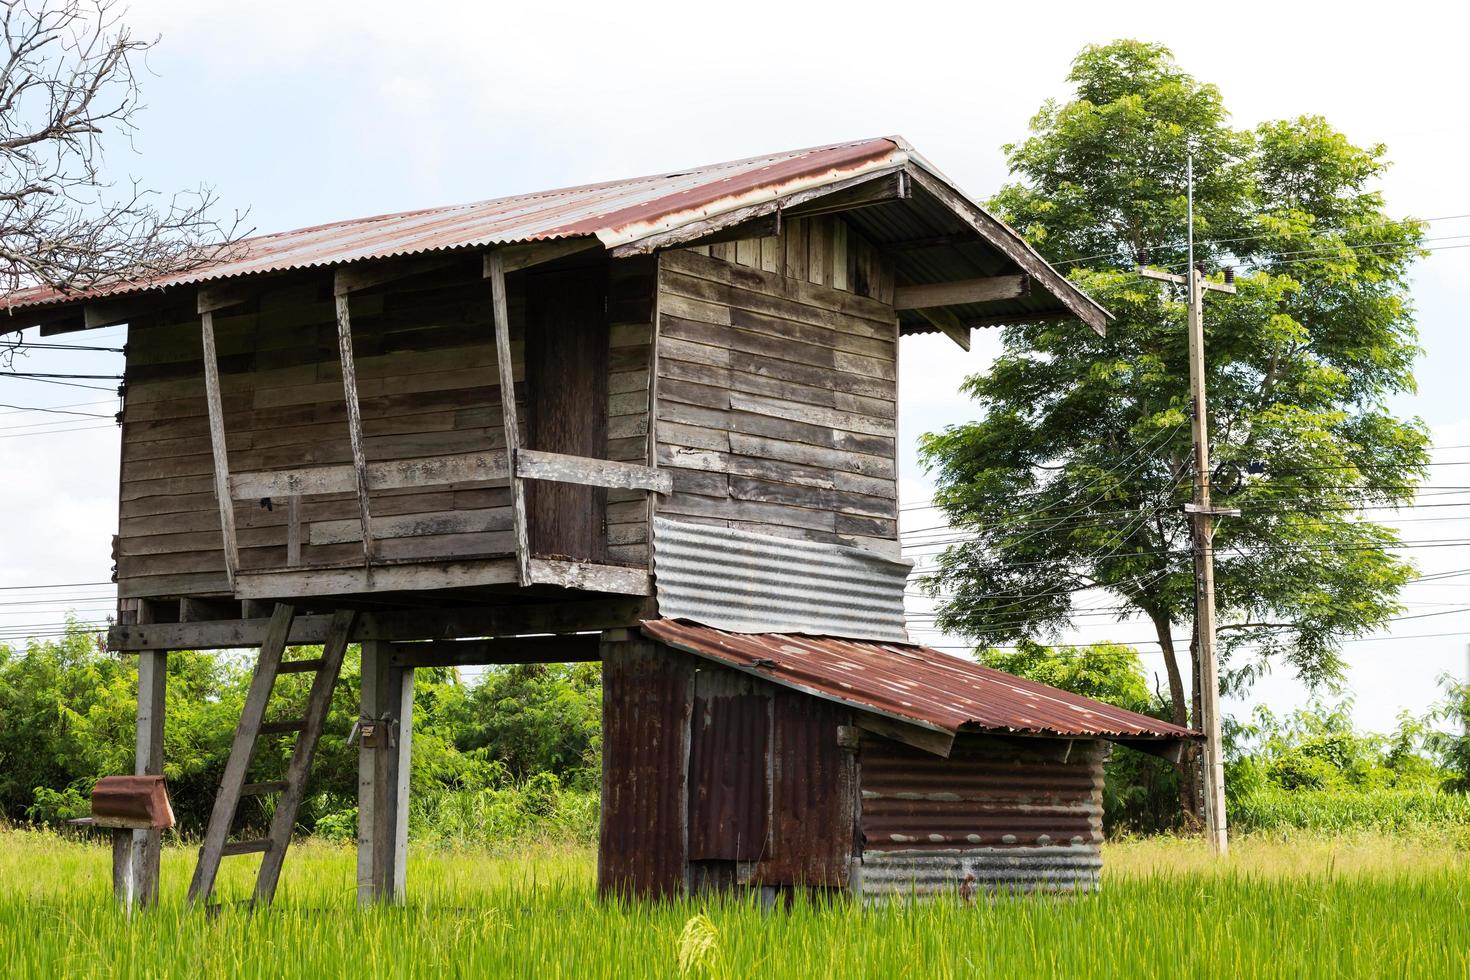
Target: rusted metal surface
913, 684
138, 802
813, 784
992, 817
640, 210
647, 698
759, 583
729, 764
614, 212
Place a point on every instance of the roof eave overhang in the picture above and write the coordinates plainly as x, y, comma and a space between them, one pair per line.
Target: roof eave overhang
683, 228
926, 735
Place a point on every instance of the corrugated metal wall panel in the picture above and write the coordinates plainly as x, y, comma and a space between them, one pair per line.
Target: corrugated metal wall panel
996, 815
647, 701
757, 583
729, 793
813, 785
980, 869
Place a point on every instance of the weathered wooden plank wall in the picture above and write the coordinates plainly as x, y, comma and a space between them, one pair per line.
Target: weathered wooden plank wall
777, 366
428, 386
630, 317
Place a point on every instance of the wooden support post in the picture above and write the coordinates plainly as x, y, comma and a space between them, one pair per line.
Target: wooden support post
382, 777
354, 423
293, 530
123, 866
147, 845
495, 272
217, 445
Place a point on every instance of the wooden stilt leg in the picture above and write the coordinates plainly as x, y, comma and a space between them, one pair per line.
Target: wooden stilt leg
383, 772
145, 851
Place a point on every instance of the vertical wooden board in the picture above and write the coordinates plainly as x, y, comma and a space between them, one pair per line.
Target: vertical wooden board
495, 272
218, 446
796, 251
771, 254
354, 422
748, 252
817, 267
839, 253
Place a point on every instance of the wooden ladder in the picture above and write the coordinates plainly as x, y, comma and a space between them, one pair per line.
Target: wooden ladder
308, 729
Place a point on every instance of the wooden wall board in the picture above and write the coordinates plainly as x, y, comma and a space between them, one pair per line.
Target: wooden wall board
776, 386
427, 384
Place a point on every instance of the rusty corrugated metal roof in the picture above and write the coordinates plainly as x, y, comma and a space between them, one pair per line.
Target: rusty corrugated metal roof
912, 683
614, 213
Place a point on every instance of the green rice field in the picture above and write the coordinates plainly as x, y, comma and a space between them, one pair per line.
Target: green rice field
1360, 906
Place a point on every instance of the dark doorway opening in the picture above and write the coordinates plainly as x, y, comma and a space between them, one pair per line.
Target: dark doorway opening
566, 384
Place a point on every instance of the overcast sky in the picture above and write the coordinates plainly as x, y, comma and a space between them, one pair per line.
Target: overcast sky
311, 112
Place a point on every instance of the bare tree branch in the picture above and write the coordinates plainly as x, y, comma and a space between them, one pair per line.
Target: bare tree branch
66, 83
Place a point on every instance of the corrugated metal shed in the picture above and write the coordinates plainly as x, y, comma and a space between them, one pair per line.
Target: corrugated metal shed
759, 583
912, 684
614, 213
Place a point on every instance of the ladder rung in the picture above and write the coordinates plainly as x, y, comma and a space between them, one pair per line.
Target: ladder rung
278, 727
246, 847
260, 789
299, 666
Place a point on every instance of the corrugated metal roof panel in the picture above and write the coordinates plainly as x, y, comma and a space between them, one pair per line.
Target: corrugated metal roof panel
912, 683
759, 583
614, 213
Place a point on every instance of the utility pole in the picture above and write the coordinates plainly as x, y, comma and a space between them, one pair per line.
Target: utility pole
1203, 514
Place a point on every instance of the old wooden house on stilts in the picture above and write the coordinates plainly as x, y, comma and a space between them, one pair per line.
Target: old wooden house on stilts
648, 422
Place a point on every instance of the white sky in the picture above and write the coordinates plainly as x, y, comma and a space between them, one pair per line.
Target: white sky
312, 112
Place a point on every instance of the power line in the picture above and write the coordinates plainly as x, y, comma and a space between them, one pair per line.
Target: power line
38, 345
52, 432
57, 411
53, 381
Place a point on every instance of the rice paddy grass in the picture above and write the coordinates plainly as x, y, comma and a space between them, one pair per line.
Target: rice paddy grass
1285, 906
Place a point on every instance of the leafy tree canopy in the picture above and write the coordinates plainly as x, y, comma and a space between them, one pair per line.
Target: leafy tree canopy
1074, 473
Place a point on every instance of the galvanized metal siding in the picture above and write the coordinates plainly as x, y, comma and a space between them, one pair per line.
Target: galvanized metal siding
756, 583
994, 816
647, 701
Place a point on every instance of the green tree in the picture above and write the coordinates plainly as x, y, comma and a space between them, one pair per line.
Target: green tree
1453, 747
1139, 789
536, 718
1074, 474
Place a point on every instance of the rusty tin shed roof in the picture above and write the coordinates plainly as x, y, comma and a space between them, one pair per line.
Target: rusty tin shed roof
615, 213
913, 684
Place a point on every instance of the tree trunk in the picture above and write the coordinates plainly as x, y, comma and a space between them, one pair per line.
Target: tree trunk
1179, 715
